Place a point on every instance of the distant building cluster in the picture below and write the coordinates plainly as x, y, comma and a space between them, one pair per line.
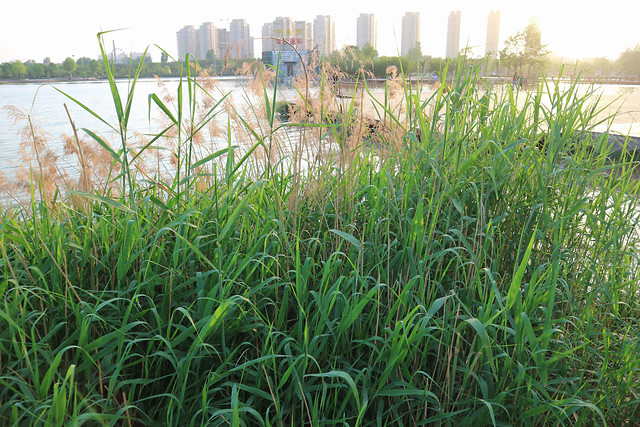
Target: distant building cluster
210, 42
286, 43
283, 37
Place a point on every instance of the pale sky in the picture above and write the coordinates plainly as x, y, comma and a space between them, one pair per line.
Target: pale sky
36, 29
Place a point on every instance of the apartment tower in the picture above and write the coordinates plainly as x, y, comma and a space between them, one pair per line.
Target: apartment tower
367, 31
324, 34
187, 41
453, 34
223, 43
207, 40
410, 32
268, 43
240, 40
283, 28
303, 36
493, 34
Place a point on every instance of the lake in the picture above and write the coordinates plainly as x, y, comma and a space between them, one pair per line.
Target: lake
46, 107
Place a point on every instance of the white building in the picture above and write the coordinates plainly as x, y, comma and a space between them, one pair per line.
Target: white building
493, 34
187, 42
367, 31
286, 34
324, 34
453, 34
283, 29
240, 40
268, 43
287, 44
410, 32
303, 35
223, 43
207, 40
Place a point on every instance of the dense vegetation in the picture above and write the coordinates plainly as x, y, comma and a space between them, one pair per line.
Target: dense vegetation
87, 68
470, 258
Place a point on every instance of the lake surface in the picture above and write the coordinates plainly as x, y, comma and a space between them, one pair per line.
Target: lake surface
45, 105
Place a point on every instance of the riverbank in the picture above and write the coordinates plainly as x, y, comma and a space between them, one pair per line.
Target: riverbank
53, 80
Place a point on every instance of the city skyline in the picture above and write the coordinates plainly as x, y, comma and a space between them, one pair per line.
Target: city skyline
568, 30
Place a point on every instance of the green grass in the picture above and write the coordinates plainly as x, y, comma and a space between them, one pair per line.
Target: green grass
445, 271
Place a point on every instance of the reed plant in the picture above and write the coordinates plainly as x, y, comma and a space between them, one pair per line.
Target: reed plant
471, 259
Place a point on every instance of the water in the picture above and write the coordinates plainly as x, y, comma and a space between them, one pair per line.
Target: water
45, 105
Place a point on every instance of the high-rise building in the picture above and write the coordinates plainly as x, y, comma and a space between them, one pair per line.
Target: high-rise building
303, 35
287, 34
268, 43
493, 34
207, 40
240, 40
187, 41
324, 34
283, 29
367, 31
308, 43
292, 42
410, 32
223, 43
453, 34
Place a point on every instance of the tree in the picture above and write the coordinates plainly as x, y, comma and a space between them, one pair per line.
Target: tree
164, 57
35, 70
436, 64
629, 61
69, 66
368, 52
18, 69
53, 70
602, 66
524, 49
6, 70
94, 67
415, 53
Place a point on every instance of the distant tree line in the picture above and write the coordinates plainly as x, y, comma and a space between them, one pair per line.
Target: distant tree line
87, 68
353, 61
522, 52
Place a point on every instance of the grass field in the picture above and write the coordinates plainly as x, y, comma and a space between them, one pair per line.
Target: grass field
461, 261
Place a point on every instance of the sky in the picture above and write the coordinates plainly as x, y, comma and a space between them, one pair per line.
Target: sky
37, 29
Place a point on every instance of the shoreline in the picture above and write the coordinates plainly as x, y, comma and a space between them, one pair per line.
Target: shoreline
52, 80
409, 78
98, 79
